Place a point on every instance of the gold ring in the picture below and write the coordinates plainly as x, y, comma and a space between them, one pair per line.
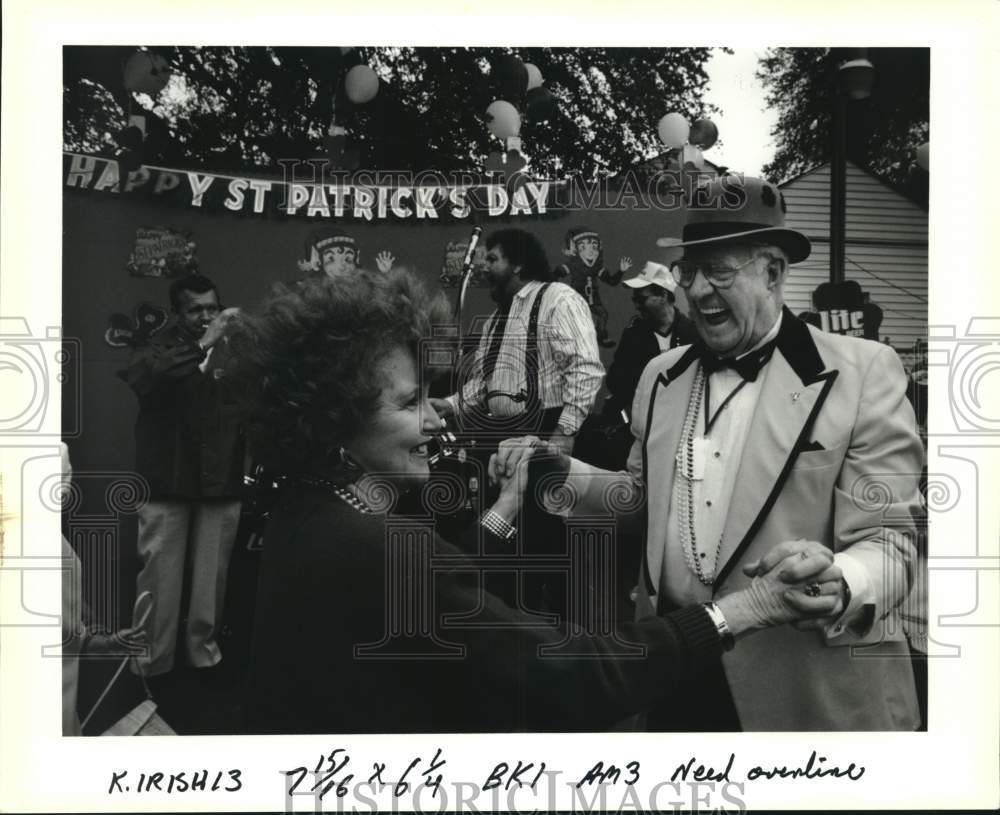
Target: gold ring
813, 589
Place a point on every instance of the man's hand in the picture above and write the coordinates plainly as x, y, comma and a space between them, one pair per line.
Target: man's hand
624, 264
508, 468
442, 407
770, 601
808, 566
384, 261
509, 457
217, 328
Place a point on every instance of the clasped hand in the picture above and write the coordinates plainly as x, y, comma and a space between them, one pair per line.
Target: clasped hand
796, 582
812, 585
508, 467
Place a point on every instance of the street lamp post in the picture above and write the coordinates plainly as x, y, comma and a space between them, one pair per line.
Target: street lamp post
854, 79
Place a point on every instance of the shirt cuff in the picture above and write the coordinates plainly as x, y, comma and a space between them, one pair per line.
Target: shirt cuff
571, 418
862, 604
453, 401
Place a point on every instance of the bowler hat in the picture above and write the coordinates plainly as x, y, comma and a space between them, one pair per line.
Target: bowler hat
739, 209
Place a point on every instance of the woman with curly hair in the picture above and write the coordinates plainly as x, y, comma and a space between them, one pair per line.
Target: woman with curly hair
354, 631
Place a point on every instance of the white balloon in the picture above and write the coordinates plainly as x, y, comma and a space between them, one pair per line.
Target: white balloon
361, 84
534, 76
502, 119
673, 129
924, 156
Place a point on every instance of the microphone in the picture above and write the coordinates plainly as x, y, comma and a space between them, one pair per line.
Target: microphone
467, 263
466, 276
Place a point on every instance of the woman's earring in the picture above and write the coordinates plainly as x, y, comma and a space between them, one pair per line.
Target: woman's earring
346, 460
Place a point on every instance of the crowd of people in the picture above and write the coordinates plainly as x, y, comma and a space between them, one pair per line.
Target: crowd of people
763, 583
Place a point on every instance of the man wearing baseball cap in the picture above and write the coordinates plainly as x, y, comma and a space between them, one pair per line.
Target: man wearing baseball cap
657, 327
769, 438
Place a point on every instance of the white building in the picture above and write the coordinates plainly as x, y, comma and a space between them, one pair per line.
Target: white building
885, 251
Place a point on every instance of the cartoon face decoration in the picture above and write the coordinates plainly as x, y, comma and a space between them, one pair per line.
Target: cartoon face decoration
588, 250
338, 260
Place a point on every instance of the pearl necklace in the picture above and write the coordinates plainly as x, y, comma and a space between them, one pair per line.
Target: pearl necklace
684, 487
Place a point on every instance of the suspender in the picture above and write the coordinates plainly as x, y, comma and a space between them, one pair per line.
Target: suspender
530, 396
531, 367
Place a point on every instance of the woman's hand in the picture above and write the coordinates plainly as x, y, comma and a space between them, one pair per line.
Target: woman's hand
769, 600
813, 571
508, 469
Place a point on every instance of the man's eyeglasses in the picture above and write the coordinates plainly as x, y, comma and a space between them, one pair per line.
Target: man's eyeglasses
721, 277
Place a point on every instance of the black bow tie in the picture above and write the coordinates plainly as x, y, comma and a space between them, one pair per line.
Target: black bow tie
748, 366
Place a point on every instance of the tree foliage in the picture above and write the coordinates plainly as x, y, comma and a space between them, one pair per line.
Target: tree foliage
246, 108
883, 130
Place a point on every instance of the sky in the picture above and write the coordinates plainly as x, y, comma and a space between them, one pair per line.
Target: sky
745, 143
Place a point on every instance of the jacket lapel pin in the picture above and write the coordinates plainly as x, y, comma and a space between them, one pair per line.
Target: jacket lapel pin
795, 396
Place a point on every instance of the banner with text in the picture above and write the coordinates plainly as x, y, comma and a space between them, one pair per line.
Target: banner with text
308, 190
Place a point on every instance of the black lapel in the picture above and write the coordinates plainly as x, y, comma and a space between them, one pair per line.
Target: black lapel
796, 345
676, 370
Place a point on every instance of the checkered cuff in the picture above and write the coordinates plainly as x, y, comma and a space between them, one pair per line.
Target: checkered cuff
494, 523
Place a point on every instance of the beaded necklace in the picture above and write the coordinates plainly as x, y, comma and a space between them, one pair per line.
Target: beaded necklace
353, 501
684, 487
345, 495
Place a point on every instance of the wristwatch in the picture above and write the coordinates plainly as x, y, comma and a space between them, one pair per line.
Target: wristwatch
721, 626
562, 430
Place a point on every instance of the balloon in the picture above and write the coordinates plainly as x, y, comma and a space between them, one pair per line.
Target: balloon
502, 119
704, 133
130, 138
534, 76
361, 84
540, 104
924, 156
673, 129
510, 75
146, 72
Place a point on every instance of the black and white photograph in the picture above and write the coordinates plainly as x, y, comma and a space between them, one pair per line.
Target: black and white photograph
515, 422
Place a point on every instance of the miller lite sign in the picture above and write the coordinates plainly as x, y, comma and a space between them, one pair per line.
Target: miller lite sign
843, 308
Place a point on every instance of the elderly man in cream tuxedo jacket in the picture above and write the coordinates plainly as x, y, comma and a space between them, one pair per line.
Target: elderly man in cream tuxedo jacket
769, 438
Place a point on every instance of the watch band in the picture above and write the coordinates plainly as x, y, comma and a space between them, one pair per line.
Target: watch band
721, 626
495, 523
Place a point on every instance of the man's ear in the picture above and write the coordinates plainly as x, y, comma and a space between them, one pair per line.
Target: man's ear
777, 269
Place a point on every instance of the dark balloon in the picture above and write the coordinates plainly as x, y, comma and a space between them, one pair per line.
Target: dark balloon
130, 138
540, 104
703, 134
510, 76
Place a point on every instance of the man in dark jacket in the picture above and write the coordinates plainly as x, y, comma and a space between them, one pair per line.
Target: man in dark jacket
658, 327
189, 447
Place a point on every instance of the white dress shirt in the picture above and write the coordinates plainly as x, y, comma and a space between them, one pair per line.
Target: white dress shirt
570, 372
